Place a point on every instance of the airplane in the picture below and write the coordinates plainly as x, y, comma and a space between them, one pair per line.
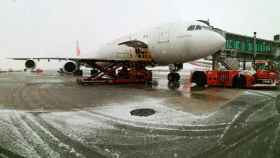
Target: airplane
169, 44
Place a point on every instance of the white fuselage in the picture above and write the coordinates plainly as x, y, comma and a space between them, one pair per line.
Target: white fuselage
167, 44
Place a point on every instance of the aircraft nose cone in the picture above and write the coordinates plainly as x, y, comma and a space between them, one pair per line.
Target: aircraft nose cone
218, 41
210, 43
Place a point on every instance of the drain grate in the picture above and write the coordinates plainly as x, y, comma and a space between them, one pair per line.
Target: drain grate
143, 112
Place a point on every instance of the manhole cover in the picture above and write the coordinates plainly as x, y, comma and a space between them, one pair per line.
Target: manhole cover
142, 112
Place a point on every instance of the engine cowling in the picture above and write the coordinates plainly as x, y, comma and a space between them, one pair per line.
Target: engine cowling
70, 67
30, 64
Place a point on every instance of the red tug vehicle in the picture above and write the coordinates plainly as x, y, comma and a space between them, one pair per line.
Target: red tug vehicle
266, 75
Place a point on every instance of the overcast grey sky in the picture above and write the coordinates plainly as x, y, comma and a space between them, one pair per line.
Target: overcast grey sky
51, 27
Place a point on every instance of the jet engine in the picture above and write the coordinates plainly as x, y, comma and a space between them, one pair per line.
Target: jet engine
30, 64
70, 67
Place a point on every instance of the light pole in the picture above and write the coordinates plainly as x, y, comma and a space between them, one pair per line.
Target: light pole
255, 45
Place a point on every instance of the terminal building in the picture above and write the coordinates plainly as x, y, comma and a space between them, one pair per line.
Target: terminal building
247, 49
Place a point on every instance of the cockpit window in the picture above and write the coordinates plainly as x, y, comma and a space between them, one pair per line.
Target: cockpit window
198, 27
191, 28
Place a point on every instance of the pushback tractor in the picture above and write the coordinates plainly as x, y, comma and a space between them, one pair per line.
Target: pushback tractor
265, 75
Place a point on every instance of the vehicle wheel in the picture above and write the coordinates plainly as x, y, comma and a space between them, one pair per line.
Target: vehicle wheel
199, 78
239, 82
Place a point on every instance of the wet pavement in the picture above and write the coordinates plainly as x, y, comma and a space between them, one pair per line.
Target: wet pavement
48, 115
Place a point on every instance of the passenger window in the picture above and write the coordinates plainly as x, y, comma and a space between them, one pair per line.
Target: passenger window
191, 28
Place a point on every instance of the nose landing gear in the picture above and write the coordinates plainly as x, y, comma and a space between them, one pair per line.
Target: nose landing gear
174, 77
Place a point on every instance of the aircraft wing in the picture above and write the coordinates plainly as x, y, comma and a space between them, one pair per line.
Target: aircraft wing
131, 43
44, 58
73, 59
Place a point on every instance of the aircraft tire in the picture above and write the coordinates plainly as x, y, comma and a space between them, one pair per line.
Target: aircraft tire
173, 84
173, 77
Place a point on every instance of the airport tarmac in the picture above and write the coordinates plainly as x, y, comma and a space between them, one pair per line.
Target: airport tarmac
49, 115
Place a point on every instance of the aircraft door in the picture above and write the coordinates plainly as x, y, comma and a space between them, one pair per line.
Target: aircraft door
163, 35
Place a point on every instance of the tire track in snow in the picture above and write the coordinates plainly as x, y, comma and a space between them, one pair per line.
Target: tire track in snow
6, 153
236, 134
63, 149
159, 129
78, 146
31, 137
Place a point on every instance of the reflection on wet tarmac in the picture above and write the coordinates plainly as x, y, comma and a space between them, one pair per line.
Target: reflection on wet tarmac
61, 119
277, 103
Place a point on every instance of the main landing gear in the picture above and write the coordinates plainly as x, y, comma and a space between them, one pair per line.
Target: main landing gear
174, 77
